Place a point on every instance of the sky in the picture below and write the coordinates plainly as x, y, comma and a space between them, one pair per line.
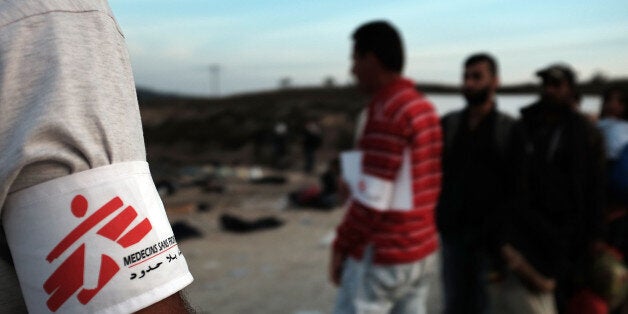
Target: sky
256, 44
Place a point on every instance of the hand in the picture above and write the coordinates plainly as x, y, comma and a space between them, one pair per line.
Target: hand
172, 304
524, 270
512, 257
335, 267
343, 190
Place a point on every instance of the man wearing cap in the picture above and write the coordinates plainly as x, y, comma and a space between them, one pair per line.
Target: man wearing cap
557, 197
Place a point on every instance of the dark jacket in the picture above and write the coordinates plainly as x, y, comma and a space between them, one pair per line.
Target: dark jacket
473, 182
557, 192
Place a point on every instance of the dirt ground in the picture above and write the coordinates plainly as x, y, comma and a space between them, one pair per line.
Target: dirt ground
282, 270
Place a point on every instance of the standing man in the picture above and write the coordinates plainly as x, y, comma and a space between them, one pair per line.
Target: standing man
556, 218
474, 178
312, 140
83, 228
383, 256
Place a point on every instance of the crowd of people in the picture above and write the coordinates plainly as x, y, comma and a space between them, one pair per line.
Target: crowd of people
530, 214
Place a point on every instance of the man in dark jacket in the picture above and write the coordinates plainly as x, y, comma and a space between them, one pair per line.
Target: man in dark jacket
558, 190
473, 176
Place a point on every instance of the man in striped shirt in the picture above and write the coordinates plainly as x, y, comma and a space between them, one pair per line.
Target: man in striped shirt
383, 254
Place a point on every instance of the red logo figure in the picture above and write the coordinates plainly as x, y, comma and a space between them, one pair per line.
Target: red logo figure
68, 278
362, 186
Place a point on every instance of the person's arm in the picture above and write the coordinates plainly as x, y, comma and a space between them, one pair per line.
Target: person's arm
174, 304
73, 153
518, 264
410, 137
341, 244
336, 263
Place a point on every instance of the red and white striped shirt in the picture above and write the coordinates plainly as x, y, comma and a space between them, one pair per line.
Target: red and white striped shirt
401, 143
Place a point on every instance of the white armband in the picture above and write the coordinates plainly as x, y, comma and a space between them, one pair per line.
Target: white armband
375, 192
97, 241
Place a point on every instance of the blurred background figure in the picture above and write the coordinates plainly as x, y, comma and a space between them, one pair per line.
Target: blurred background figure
322, 196
280, 143
473, 188
613, 121
312, 140
614, 127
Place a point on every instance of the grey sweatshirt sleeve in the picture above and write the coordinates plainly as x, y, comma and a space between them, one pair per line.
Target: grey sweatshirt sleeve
67, 101
67, 96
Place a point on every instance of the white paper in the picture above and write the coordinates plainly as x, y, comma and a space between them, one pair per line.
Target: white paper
375, 192
351, 166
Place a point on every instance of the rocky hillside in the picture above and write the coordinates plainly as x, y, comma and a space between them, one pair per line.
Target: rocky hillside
239, 129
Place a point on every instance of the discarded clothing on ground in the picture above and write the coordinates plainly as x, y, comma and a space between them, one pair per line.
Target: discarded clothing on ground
312, 197
183, 231
270, 180
239, 225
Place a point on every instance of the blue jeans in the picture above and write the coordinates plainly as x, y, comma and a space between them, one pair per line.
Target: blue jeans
464, 273
373, 289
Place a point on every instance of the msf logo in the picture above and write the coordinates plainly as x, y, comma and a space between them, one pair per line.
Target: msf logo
68, 278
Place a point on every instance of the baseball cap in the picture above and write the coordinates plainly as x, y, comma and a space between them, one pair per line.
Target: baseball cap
558, 72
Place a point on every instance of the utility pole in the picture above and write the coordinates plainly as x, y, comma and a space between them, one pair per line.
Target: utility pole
214, 78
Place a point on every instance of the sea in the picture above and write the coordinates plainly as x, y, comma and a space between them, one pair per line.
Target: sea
511, 103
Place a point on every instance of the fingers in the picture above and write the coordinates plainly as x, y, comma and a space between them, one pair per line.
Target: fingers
524, 270
335, 268
343, 190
